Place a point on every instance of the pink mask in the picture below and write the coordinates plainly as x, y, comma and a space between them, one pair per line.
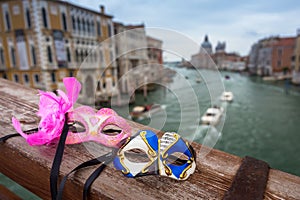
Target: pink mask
98, 126
52, 110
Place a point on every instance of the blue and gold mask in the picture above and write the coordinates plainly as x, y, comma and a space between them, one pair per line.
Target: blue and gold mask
145, 154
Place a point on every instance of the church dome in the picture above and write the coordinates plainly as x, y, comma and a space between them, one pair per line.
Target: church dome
207, 45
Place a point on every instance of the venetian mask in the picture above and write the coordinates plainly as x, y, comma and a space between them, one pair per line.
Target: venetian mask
145, 154
104, 127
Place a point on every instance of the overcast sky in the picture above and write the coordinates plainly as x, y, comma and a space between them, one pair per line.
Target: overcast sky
239, 23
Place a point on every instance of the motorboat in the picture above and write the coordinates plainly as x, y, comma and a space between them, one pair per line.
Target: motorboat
140, 112
227, 77
227, 96
198, 80
212, 116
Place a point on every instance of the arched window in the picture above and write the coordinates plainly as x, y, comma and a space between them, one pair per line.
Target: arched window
53, 77
49, 53
33, 55
28, 18
88, 27
13, 56
83, 25
2, 61
109, 30
81, 56
36, 78
64, 21
98, 86
92, 27
7, 19
77, 55
26, 78
74, 23
44, 15
78, 24
98, 28
16, 77
68, 54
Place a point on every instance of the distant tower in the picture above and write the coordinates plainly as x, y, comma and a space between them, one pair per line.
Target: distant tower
220, 48
206, 45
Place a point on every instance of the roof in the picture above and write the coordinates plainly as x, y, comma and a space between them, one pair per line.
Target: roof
288, 41
152, 38
129, 26
80, 7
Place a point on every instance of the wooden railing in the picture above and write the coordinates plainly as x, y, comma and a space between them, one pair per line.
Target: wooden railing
30, 165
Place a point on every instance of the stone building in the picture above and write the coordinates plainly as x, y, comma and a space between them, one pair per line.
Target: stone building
296, 60
272, 56
203, 58
132, 55
41, 42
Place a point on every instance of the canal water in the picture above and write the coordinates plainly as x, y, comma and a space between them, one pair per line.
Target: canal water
263, 121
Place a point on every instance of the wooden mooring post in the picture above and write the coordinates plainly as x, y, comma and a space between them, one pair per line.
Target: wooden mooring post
30, 165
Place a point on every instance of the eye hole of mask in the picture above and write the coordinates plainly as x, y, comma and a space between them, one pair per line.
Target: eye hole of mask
111, 130
136, 155
177, 158
77, 127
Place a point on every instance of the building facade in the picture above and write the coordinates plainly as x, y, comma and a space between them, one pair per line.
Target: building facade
155, 56
132, 55
41, 42
272, 56
203, 58
296, 60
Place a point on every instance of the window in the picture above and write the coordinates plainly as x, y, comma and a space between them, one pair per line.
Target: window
13, 56
44, 15
77, 55
88, 27
98, 86
2, 61
68, 54
64, 21
78, 24
28, 18
95, 56
83, 25
98, 28
33, 55
7, 20
53, 78
279, 63
279, 52
49, 53
101, 56
36, 78
26, 78
92, 28
71, 74
109, 30
111, 56
82, 56
74, 23
16, 78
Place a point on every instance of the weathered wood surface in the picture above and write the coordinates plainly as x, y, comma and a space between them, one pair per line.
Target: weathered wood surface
6, 194
30, 165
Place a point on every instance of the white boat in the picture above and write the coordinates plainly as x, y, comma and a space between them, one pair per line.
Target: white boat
198, 80
212, 116
227, 96
145, 111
